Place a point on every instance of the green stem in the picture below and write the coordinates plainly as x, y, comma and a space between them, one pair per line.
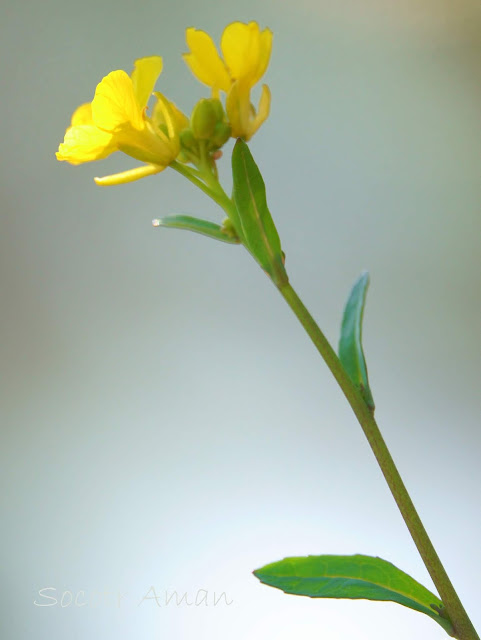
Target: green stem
218, 195
212, 187
463, 627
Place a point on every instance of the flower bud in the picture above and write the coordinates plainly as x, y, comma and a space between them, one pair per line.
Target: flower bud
219, 109
221, 134
187, 139
204, 119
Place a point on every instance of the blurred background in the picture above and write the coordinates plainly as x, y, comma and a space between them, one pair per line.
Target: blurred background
165, 422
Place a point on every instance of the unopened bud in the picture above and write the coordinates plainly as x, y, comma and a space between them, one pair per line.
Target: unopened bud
219, 109
187, 139
204, 119
222, 133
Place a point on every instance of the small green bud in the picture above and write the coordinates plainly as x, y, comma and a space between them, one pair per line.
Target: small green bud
228, 228
222, 133
219, 109
204, 119
187, 139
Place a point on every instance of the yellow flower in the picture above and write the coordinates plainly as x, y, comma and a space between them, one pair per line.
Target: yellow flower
116, 120
246, 52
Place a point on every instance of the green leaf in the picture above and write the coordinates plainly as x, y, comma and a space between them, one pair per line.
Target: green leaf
197, 225
351, 353
258, 228
352, 577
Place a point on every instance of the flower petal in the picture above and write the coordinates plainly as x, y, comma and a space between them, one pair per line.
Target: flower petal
166, 113
129, 176
82, 115
85, 143
240, 44
239, 109
144, 76
115, 104
262, 110
204, 60
265, 48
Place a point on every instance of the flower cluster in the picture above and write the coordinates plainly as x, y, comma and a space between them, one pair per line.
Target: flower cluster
246, 51
118, 117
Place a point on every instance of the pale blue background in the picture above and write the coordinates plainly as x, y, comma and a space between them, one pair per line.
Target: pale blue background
164, 419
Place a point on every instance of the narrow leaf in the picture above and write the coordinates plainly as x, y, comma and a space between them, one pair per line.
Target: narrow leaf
197, 225
351, 353
258, 228
353, 577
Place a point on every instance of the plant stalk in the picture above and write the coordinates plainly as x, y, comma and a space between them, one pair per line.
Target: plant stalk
213, 190
463, 627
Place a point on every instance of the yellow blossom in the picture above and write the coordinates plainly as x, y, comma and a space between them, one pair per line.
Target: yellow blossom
246, 52
116, 120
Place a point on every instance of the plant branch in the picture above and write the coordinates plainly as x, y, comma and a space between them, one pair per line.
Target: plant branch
463, 627
194, 176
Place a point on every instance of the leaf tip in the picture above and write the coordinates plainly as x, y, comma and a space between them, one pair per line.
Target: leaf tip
364, 279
